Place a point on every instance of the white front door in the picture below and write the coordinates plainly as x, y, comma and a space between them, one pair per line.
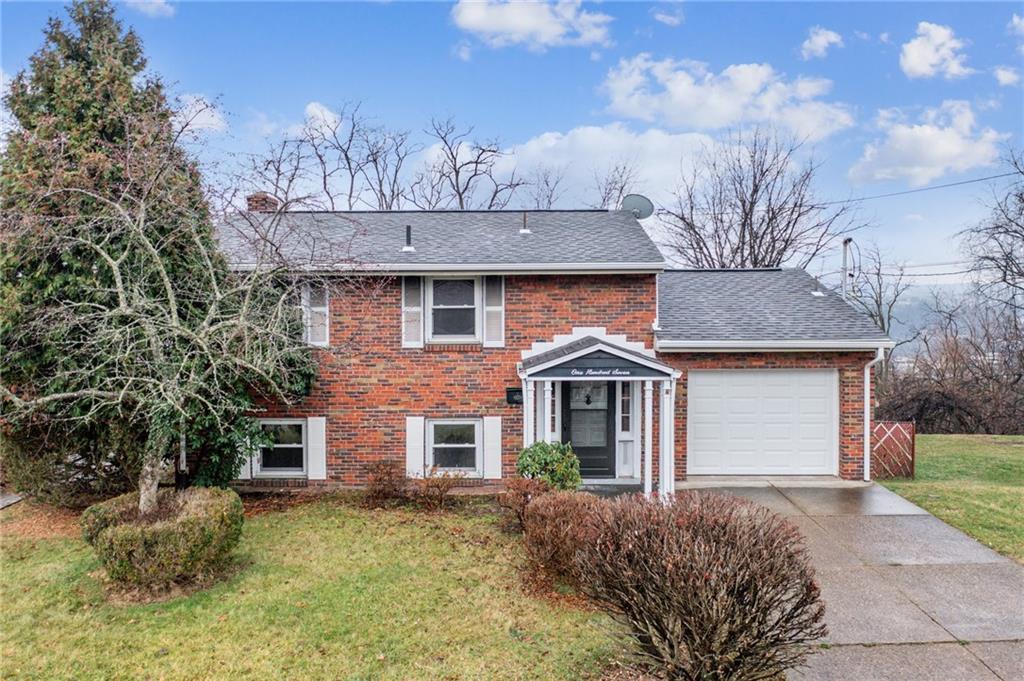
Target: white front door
762, 422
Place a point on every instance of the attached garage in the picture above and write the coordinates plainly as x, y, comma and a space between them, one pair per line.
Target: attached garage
762, 422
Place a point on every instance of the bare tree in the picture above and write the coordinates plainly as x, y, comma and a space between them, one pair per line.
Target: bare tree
155, 347
465, 173
966, 374
544, 187
613, 183
996, 245
335, 142
387, 152
749, 202
877, 291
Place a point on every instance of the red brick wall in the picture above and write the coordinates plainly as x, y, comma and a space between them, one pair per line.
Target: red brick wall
368, 383
851, 394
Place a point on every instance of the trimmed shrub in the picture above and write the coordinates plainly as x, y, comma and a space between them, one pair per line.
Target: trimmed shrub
708, 586
555, 527
554, 462
518, 494
431, 491
385, 482
189, 538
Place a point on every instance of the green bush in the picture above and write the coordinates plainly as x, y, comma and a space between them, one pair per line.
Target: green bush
189, 538
554, 462
71, 465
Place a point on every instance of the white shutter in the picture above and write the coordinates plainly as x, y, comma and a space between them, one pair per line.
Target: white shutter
316, 448
414, 438
412, 312
494, 312
492, 447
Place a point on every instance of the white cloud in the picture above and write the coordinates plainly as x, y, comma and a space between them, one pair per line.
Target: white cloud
862, 35
819, 40
200, 114
684, 93
884, 38
1016, 25
152, 8
673, 17
463, 51
319, 115
536, 25
935, 51
944, 140
1006, 75
658, 156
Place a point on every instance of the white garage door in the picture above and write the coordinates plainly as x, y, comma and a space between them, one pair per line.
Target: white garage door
762, 422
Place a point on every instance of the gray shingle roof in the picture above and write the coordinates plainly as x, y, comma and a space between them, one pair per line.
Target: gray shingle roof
603, 239
755, 305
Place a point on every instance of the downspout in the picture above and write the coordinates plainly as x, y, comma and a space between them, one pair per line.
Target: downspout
879, 356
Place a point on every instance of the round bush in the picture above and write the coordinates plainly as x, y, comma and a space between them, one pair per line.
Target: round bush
554, 462
708, 586
190, 537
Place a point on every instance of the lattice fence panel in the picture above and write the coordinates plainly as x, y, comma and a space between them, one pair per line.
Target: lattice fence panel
892, 449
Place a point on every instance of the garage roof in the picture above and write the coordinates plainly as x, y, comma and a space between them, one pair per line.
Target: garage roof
777, 307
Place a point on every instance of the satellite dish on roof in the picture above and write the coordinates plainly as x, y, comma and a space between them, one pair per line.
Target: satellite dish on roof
639, 205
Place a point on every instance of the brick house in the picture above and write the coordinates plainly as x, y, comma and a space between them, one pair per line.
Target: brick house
489, 330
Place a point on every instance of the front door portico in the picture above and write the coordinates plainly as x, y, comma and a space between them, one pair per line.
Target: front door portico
597, 392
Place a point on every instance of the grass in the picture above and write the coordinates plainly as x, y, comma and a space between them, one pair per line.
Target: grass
973, 482
323, 590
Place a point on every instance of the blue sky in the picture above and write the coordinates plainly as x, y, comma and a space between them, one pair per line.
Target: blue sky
890, 96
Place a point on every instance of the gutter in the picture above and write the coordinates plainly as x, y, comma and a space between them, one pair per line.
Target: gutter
467, 268
771, 345
879, 356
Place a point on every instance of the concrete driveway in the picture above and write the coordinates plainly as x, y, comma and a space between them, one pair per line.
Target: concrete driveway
907, 596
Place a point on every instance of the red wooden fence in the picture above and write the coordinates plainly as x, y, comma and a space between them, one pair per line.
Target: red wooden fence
892, 449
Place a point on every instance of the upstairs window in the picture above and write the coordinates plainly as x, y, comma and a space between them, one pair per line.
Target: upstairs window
315, 314
454, 309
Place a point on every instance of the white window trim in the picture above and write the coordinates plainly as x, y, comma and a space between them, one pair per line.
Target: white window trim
406, 308
257, 467
478, 306
478, 437
307, 314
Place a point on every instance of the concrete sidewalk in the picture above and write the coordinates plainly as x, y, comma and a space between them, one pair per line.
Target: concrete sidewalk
907, 596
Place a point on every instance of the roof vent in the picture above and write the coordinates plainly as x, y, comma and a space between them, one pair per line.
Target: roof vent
817, 292
525, 229
408, 247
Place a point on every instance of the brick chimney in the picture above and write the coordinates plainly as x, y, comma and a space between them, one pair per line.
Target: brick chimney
261, 202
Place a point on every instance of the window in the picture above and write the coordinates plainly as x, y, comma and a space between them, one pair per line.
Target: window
454, 445
626, 408
453, 309
286, 453
315, 314
458, 310
412, 312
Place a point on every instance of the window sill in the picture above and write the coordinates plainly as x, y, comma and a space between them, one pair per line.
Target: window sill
464, 346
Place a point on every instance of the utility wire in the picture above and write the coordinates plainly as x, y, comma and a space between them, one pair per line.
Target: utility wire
919, 189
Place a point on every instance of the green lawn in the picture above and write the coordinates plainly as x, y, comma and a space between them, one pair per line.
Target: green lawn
973, 482
324, 590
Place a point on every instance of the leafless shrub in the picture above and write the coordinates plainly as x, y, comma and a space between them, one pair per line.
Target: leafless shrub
708, 586
518, 494
386, 482
432, 490
555, 527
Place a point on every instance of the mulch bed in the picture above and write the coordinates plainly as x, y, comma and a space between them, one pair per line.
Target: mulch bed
30, 520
